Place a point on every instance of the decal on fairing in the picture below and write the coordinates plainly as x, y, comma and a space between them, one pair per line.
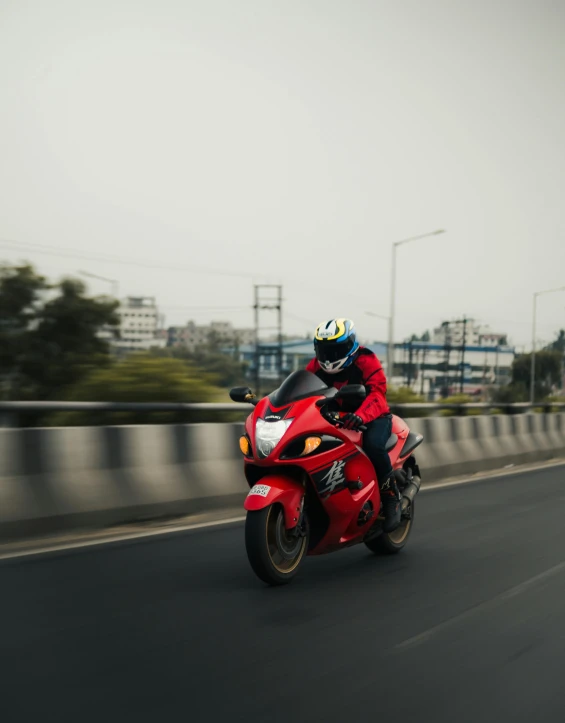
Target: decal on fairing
276, 416
330, 480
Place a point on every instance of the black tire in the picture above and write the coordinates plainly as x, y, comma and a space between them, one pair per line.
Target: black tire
274, 557
391, 543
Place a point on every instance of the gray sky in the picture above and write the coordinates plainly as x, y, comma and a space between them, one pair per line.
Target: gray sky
292, 142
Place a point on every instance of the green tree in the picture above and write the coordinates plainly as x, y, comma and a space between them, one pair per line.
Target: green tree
510, 393
558, 344
49, 334
225, 371
65, 344
548, 371
140, 377
20, 293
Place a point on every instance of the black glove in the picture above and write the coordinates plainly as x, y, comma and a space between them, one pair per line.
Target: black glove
352, 421
328, 414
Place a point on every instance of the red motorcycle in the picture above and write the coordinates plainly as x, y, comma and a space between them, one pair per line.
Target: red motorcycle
313, 489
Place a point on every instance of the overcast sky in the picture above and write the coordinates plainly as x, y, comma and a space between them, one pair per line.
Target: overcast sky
292, 142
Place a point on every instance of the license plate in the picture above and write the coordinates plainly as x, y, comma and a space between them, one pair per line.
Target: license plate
262, 490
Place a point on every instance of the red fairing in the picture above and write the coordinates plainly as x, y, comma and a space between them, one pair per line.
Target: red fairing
336, 482
280, 489
366, 370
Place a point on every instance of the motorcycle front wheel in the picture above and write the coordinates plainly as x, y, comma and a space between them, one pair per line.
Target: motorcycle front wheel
274, 552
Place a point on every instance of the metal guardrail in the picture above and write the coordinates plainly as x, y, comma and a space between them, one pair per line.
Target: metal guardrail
31, 407
12, 413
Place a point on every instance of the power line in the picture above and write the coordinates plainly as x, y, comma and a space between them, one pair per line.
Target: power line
205, 308
106, 258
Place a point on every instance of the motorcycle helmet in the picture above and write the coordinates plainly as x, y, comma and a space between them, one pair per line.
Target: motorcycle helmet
336, 345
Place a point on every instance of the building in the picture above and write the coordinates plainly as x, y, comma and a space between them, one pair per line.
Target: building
455, 332
216, 334
295, 355
441, 369
140, 324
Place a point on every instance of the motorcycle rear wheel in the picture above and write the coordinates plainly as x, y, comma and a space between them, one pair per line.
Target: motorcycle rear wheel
391, 543
273, 553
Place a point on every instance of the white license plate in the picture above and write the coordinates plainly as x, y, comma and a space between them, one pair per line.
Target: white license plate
262, 490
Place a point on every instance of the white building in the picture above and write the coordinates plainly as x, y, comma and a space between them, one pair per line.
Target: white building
431, 368
139, 324
222, 333
454, 332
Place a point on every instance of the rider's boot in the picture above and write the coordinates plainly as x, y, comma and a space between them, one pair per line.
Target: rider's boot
392, 501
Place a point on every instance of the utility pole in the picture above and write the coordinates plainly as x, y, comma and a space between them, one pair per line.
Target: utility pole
462, 380
268, 297
422, 370
447, 349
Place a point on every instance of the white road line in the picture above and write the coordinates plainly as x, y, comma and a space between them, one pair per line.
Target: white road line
495, 474
496, 600
77, 544
117, 538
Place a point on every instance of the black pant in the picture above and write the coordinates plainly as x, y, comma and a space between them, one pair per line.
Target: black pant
374, 442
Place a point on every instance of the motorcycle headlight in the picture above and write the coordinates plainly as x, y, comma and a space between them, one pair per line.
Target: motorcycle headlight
269, 434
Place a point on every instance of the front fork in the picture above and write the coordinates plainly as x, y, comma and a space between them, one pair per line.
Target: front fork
300, 529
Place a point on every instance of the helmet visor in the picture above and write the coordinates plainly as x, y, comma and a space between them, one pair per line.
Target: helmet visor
333, 351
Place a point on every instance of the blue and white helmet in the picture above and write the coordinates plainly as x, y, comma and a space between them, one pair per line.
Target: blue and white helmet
336, 344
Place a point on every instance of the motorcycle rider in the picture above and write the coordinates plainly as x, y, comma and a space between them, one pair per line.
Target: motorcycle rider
341, 360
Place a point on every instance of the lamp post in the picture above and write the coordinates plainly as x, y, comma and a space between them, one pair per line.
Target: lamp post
113, 282
395, 245
534, 320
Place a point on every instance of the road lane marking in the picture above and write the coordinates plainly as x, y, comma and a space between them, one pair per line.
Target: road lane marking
117, 538
492, 602
43, 549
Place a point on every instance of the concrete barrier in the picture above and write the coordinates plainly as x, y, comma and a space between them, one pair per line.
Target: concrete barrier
59, 478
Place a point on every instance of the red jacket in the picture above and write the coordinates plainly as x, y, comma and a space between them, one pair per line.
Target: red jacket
367, 370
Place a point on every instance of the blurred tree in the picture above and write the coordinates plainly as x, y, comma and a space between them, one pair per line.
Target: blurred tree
65, 345
223, 369
403, 395
47, 344
548, 371
510, 393
558, 344
20, 293
140, 377
146, 378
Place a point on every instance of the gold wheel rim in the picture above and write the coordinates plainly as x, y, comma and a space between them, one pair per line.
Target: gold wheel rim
280, 563
399, 535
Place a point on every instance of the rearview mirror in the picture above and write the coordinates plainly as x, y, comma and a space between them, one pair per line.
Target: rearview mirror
352, 393
242, 394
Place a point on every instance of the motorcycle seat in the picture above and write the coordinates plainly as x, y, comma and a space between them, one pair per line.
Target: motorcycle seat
392, 440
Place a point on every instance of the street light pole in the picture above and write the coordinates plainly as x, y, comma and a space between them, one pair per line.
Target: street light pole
390, 346
390, 349
534, 320
533, 370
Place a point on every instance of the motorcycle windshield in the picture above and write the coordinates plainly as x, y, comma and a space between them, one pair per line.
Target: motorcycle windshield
299, 385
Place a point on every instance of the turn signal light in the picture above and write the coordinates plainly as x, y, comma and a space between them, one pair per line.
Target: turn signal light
311, 444
245, 446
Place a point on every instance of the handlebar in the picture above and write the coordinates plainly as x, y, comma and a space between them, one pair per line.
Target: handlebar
335, 419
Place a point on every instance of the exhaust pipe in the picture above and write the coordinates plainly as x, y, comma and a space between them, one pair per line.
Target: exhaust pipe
410, 491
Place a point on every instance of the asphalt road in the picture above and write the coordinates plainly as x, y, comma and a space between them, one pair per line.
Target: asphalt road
467, 624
